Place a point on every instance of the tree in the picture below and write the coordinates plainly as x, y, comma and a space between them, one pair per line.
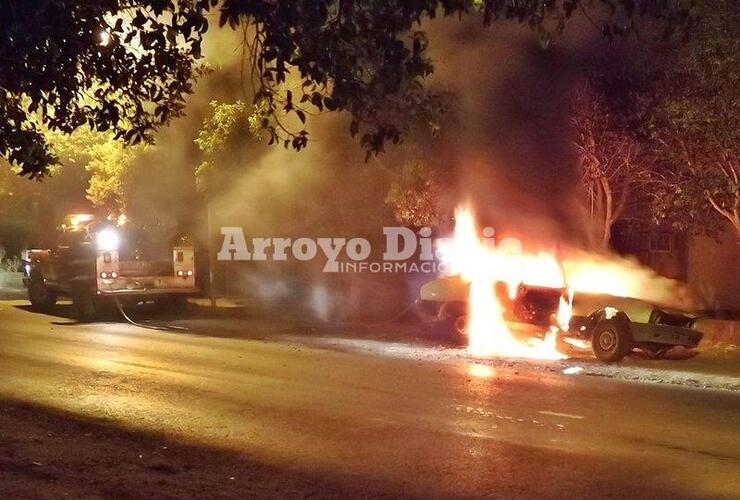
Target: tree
693, 110
614, 166
127, 66
30, 211
95, 171
369, 58
224, 129
107, 161
110, 163
106, 64
415, 193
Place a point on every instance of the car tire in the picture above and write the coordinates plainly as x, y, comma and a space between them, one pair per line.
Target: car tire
460, 327
611, 340
41, 298
455, 320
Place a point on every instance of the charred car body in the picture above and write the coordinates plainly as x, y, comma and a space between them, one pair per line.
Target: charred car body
612, 326
92, 263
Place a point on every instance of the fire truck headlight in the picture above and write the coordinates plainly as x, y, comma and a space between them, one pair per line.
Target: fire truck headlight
108, 239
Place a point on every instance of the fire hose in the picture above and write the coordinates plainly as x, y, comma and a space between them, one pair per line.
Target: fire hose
164, 328
119, 306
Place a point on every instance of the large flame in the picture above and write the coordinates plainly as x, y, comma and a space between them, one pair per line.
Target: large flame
483, 264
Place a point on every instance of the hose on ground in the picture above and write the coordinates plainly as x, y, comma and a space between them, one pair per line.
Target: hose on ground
405, 310
164, 328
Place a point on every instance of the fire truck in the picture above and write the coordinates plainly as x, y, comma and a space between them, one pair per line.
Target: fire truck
95, 264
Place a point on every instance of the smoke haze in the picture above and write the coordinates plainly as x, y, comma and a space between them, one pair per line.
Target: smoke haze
509, 152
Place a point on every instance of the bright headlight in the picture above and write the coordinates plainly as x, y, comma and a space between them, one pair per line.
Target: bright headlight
107, 239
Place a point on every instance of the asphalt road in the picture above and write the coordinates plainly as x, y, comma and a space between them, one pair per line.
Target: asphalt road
257, 416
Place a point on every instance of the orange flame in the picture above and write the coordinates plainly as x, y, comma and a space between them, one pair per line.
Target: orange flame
483, 264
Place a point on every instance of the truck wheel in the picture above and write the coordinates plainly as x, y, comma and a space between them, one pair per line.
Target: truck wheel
173, 303
611, 340
84, 306
40, 296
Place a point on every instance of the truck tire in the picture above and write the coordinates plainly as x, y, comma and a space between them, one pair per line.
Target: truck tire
85, 308
173, 304
41, 298
611, 340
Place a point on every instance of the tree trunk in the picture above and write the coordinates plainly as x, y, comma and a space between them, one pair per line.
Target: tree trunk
732, 216
608, 213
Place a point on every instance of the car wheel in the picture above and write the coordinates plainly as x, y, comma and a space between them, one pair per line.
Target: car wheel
460, 326
611, 340
40, 296
455, 319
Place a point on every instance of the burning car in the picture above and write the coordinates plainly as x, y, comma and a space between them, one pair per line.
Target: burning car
93, 263
504, 299
612, 326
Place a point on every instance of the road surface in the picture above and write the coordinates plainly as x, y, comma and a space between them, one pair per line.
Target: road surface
112, 410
